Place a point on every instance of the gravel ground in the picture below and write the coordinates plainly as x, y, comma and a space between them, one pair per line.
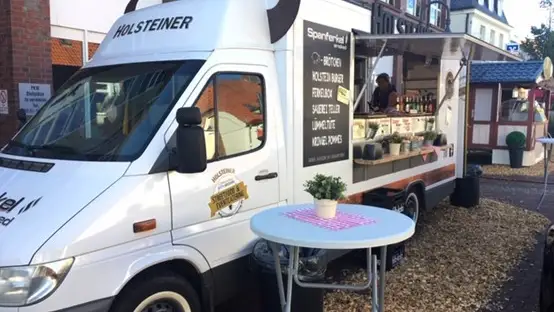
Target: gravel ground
504, 170
513, 288
521, 292
458, 261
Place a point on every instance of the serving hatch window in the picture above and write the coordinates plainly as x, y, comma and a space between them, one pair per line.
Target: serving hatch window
517, 110
107, 113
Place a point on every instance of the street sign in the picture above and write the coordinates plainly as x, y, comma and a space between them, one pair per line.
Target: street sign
4, 102
512, 47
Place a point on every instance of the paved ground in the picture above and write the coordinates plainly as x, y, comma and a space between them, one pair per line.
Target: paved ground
519, 294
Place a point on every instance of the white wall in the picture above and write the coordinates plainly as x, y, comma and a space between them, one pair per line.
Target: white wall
478, 19
69, 18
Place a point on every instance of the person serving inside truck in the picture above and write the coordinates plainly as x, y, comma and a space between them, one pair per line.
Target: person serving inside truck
384, 96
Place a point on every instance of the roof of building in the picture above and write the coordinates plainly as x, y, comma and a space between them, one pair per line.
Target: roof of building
67, 52
458, 5
504, 72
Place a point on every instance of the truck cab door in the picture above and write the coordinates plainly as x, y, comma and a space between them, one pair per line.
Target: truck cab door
211, 210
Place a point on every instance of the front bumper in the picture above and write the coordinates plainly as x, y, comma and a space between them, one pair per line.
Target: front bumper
102, 305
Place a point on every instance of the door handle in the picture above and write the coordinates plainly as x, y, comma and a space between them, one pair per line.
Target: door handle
271, 175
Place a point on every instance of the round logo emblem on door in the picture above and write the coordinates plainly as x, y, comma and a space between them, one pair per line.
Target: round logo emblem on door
229, 193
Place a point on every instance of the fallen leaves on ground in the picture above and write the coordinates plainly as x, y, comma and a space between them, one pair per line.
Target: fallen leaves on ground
456, 261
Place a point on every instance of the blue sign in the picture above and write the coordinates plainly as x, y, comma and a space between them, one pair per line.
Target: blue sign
512, 47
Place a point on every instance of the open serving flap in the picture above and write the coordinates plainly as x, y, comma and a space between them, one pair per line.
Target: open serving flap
433, 45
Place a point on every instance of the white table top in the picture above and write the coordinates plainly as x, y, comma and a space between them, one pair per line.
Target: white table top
546, 140
390, 227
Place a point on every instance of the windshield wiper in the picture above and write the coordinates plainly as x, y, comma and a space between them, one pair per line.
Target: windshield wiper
63, 149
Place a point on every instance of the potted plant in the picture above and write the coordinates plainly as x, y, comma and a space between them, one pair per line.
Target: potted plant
429, 124
429, 137
416, 143
406, 145
516, 143
373, 127
395, 144
326, 191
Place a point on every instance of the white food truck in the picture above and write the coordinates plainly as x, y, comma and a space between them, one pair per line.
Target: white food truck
133, 186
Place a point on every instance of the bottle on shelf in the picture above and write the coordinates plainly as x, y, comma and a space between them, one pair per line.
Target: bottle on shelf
408, 104
432, 104
398, 103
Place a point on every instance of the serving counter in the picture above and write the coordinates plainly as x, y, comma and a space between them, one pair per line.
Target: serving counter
365, 125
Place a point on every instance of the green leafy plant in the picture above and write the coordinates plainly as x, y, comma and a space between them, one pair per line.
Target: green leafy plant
430, 135
325, 187
515, 139
373, 125
396, 138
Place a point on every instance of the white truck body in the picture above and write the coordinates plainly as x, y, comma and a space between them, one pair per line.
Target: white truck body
56, 205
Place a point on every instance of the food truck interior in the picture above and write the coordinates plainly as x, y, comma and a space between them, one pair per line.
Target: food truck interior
391, 140
408, 120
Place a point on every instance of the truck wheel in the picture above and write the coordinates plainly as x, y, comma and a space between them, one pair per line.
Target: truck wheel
412, 205
166, 292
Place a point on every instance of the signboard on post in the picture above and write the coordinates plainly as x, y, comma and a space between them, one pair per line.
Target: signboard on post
4, 109
32, 96
513, 47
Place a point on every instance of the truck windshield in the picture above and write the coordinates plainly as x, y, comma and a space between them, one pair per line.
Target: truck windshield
106, 113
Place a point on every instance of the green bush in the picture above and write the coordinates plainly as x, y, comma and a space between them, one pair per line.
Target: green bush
325, 187
515, 139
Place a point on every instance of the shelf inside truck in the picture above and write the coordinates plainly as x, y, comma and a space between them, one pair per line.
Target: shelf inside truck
389, 158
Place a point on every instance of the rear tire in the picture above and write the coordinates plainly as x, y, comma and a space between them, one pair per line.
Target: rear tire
161, 291
413, 204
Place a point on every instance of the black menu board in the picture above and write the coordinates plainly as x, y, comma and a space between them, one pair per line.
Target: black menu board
326, 94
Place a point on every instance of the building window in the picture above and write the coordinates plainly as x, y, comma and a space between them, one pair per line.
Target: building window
435, 14
492, 38
501, 41
482, 32
232, 118
414, 7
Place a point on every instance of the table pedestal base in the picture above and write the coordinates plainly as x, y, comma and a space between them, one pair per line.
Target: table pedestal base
377, 285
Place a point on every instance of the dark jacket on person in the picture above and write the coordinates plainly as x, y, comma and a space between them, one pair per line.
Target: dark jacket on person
381, 98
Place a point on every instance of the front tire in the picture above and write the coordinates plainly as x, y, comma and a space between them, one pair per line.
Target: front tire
158, 292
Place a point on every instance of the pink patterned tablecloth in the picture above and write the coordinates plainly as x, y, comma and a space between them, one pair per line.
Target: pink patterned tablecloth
341, 221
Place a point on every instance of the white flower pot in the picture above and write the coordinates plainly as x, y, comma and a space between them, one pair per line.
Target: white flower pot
325, 208
394, 149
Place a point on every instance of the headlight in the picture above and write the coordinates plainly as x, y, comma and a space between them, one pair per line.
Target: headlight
26, 285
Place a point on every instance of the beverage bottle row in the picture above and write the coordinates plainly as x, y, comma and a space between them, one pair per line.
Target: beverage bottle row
420, 103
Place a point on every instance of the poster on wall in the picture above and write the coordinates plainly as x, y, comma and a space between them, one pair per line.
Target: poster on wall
4, 110
326, 112
32, 96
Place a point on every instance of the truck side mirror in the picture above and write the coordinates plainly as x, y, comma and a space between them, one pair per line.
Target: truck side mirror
191, 143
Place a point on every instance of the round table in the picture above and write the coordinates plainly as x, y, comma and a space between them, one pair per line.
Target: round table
546, 160
354, 227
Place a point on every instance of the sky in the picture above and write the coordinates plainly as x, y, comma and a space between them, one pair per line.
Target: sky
522, 16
